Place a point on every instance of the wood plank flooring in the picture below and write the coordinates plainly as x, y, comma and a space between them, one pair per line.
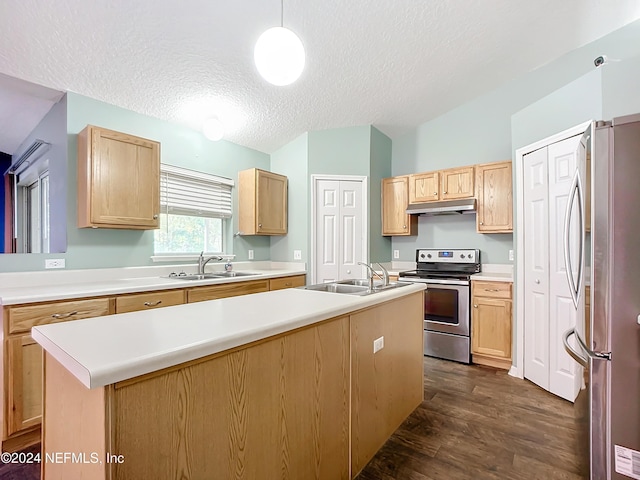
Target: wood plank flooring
475, 423
479, 423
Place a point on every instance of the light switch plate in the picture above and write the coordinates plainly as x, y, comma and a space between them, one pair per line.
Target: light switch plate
250, 254
511, 255
54, 263
378, 344
396, 254
297, 254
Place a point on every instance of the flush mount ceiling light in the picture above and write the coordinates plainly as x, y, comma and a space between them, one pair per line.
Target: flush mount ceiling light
213, 129
279, 54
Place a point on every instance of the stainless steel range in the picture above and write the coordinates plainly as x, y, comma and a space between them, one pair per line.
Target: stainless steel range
447, 300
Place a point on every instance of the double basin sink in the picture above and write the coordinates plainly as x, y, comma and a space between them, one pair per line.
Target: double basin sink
205, 276
354, 287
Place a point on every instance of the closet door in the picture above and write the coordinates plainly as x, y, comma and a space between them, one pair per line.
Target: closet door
536, 264
565, 375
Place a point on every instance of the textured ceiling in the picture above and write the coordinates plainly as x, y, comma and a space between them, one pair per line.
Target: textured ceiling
391, 63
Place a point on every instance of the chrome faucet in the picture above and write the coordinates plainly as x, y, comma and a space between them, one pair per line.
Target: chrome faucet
385, 272
203, 261
372, 272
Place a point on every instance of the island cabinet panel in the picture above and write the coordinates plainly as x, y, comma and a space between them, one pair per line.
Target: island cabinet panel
149, 300
275, 409
201, 294
386, 386
24, 386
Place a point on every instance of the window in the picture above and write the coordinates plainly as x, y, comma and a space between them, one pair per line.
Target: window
194, 208
32, 230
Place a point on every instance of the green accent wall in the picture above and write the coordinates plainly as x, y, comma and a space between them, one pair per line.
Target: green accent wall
379, 246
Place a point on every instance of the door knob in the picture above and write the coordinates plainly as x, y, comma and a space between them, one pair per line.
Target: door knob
537, 281
349, 272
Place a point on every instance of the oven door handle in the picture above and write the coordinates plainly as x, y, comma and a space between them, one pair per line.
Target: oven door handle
434, 281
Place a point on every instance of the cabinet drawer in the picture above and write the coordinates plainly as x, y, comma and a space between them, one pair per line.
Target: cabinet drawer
491, 289
22, 318
149, 300
287, 282
227, 290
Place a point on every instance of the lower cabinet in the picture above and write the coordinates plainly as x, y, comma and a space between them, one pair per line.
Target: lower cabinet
149, 300
491, 320
287, 282
201, 294
24, 383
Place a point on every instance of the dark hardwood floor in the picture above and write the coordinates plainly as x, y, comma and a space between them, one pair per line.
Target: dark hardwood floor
475, 423
479, 423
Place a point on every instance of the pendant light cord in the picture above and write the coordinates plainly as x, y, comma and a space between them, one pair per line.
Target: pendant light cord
282, 13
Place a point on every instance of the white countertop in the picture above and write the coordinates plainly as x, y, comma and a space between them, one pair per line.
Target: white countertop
105, 350
493, 277
95, 288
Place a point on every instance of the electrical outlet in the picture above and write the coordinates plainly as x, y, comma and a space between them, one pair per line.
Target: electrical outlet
378, 344
396, 254
297, 254
250, 254
54, 263
511, 255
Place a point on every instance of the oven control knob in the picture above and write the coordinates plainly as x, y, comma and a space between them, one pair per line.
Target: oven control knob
462, 255
428, 255
469, 256
422, 255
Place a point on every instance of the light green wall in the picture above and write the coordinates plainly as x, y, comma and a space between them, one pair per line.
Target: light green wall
51, 129
481, 131
181, 146
292, 161
620, 88
379, 246
340, 151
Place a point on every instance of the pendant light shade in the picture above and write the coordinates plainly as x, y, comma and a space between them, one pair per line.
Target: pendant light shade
279, 56
213, 129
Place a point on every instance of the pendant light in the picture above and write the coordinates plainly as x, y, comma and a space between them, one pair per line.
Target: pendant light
213, 129
279, 54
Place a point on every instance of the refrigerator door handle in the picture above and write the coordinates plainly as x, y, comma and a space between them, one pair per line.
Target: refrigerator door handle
574, 288
572, 353
591, 353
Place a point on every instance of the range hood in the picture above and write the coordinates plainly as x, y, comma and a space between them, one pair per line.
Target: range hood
445, 207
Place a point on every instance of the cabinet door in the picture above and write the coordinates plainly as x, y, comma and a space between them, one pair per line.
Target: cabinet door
424, 187
491, 327
271, 203
287, 282
495, 204
201, 294
125, 180
24, 383
456, 183
149, 300
395, 198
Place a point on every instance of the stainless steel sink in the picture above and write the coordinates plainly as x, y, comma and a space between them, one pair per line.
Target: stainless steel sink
353, 287
213, 275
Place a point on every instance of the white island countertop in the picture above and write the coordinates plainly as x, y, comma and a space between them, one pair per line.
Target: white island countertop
105, 350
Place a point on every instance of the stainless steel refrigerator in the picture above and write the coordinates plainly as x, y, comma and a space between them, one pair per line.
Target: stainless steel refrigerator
608, 344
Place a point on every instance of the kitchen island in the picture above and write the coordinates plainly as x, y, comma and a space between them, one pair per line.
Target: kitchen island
281, 384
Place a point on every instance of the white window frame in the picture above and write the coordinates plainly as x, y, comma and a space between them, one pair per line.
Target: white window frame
220, 186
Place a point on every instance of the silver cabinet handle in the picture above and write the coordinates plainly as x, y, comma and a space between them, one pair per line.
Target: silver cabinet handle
155, 217
444, 193
152, 304
259, 225
491, 289
64, 315
475, 305
404, 226
481, 223
435, 194
288, 284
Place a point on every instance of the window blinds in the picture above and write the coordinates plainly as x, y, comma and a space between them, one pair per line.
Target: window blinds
187, 192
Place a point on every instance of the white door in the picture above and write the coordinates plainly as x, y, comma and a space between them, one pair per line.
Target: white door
340, 234
565, 375
536, 264
549, 310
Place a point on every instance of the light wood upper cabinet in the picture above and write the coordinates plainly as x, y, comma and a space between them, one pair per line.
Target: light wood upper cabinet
491, 318
118, 180
456, 183
395, 199
494, 195
262, 202
424, 187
